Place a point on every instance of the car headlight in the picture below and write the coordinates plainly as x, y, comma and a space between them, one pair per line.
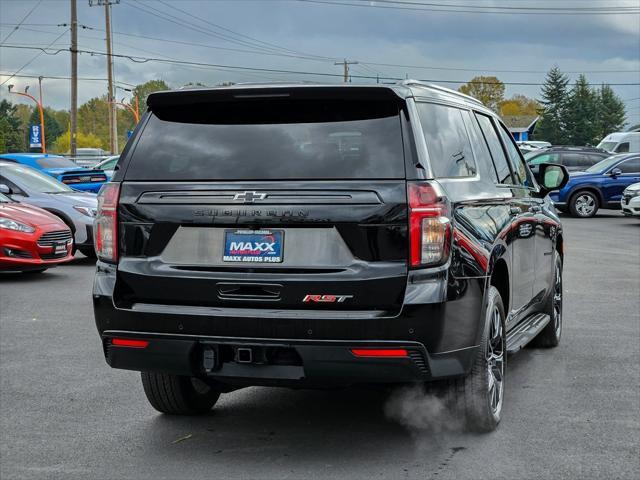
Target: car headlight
89, 212
13, 225
631, 192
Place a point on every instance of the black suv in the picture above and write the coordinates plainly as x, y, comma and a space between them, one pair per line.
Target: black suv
319, 236
573, 158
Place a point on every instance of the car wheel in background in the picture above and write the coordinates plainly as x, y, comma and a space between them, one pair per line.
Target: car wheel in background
550, 335
177, 395
584, 204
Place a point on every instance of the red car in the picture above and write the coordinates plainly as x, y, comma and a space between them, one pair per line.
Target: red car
31, 239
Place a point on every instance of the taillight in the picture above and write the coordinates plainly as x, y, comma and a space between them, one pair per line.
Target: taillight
71, 180
429, 225
105, 225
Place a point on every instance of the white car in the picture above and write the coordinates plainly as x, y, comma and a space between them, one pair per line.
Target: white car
108, 165
630, 201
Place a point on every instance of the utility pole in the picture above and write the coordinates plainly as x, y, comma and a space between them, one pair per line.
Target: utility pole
346, 64
113, 124
73, 128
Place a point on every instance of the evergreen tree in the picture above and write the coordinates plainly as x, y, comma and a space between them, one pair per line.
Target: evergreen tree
10, 138
581, 114
611, 113
552, 124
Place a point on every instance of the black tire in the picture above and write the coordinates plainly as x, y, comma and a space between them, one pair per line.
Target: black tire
176, 395
584, 204
550, 335
88, 252
473, 396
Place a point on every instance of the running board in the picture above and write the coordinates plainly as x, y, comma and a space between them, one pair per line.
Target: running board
526, 331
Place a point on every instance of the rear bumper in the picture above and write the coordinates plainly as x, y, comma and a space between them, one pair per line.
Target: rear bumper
307, 363
443, 335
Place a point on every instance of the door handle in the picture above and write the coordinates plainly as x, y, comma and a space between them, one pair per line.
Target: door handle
535, 209
514, 210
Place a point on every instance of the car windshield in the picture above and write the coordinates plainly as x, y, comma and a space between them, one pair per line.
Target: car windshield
610, 146
529, 155
4, 198
604, 164
55, 162
32, 180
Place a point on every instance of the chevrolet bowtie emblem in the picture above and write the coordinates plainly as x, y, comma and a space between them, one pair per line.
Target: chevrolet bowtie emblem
249, 197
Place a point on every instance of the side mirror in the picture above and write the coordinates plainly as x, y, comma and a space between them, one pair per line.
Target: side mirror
5, 189
552, 177
615, 172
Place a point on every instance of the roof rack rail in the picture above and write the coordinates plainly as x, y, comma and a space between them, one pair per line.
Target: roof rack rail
420, 83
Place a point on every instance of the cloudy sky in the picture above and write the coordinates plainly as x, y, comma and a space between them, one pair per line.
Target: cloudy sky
284, 39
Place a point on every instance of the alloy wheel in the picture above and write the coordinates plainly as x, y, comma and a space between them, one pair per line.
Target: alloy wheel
557, 300
495, 362
585, 205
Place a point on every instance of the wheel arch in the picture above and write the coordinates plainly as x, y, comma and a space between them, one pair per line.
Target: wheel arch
589, 188
65, 218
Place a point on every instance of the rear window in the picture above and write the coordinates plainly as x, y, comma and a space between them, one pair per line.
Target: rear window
55, 162
271, 139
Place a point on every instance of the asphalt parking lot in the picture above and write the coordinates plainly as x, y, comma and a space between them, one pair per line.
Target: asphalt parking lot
571, 412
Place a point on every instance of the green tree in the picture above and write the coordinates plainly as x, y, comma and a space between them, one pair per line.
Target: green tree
142, 91
88, 140
52, 130
11, 139
611, 114
552, 126
581, 112
489, 90
519, 105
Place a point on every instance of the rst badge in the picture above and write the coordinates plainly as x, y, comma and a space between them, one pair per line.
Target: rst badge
326, 298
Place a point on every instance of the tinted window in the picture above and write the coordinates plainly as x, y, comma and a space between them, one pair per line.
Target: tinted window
55, 162
630, 166
480, 149
447, 140
519, 167
497, 153
623, 148
592, 159
544, 158
271, 139
575, 160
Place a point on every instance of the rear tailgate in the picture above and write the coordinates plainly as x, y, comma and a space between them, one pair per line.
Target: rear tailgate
266, 203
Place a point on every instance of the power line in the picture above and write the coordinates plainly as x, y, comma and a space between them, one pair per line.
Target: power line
62, 77
141, 59
42, 50
450, 10
364, 64
499, 7
21, 22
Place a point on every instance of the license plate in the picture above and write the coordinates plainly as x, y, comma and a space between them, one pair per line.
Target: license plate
60, 248
253, 246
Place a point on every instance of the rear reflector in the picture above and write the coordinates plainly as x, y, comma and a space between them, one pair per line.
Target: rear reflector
380, 352
129, 342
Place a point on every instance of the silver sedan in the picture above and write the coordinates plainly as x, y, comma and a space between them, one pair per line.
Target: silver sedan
76, 209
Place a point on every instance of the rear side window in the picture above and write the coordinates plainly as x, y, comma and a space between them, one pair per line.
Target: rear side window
271, 139
495, 147
630, 166
55, 162
447, 140
579, 160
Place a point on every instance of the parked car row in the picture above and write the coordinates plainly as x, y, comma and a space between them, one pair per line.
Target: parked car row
30, 199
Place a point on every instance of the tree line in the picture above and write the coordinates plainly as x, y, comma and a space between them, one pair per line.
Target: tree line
579, 114
93, 128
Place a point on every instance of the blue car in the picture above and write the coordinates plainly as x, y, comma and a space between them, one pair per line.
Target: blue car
599, 186
62, 169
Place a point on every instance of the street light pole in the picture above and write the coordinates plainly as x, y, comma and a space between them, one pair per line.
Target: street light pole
41, 110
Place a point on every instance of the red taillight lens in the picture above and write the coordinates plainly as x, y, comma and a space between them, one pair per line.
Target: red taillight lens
129, 342
380, 352
429, 225
105, 225
69, 181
